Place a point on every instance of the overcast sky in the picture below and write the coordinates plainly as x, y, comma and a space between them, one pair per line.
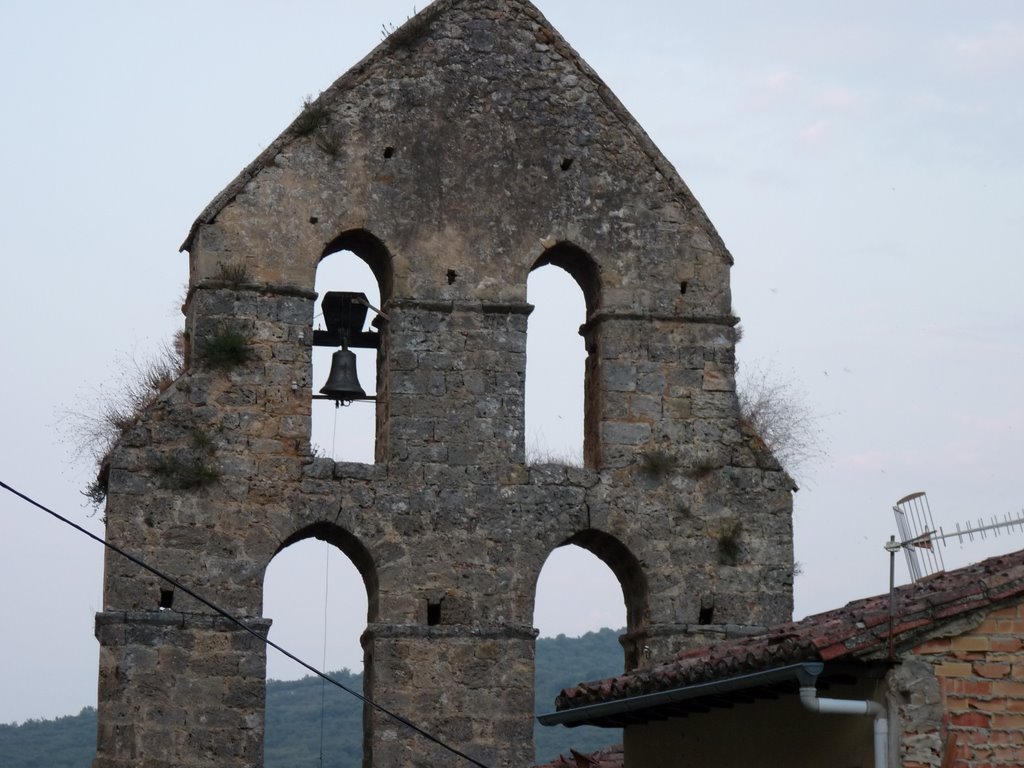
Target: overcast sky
863, 163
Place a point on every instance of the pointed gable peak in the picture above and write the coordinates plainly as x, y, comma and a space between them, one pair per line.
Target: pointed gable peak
457, 59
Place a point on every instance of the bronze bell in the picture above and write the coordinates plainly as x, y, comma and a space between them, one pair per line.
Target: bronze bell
343, 383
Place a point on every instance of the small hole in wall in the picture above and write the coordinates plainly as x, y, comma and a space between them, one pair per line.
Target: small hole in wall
452, 276
389, 152
433, 613
682, 287
166, 599
313, 219
566, 163
706, 614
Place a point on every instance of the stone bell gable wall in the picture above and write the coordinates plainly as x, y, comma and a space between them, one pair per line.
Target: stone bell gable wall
469, 148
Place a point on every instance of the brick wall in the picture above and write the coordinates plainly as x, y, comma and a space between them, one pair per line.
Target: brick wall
980, 698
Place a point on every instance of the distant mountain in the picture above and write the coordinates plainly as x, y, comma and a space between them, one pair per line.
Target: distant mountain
294, 723
67, 742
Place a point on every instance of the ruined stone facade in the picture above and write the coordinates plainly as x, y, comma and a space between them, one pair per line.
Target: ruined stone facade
469, 148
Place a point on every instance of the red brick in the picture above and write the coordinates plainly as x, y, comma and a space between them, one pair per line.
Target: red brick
1013, 688
983, 669
987, 705
1007, 722
1006, 644
970, 655
989, 626
970, 643
973, 738
957, 669
970, 720
1008, 753
940, 645
1009, 612
976, 687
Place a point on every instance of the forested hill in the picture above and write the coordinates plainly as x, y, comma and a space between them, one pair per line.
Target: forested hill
293, 736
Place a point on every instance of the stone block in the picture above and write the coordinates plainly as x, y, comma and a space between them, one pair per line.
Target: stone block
625, 433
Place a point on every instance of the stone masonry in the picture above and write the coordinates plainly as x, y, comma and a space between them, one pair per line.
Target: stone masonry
469, 148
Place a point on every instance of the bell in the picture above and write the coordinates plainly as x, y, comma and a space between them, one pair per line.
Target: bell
343, 383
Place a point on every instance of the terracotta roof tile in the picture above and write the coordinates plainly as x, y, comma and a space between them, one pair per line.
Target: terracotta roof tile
858, 630
610, 757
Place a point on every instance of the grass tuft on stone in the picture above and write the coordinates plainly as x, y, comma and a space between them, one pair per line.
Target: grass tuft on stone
225, 350
185, 474
729, 542
703, 467
658, 463
313, 116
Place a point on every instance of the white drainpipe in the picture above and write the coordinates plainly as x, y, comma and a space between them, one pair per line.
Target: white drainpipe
809, 698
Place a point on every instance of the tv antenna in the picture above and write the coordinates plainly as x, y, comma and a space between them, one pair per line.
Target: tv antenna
922, 541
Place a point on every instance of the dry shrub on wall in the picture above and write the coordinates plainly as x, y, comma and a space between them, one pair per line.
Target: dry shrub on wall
117, 407
777, 410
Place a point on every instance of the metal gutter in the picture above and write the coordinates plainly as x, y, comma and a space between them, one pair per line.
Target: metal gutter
805, 673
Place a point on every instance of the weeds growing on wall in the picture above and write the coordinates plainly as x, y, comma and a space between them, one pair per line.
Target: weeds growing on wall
185, 474
226, 349
729, 542
233, 273
703, 467
777, 411
191, 470
657, 463
313, 116
329, 141
414, 27
538, 454
116, 409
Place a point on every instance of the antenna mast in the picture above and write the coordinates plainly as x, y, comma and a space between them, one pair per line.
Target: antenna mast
922, 542
920, 538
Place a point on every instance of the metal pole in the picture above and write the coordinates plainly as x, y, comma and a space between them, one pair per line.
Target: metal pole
892, 547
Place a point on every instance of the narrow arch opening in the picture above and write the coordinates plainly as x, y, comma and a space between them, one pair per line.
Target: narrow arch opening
356, 262
580, 612
555, 369
564, 288
319, 602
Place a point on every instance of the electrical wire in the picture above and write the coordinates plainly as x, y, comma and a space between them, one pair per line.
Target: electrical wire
245, 627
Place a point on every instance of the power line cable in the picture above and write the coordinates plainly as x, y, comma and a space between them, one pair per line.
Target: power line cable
243, 626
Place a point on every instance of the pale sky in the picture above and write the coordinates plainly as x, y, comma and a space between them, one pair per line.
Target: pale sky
863, 162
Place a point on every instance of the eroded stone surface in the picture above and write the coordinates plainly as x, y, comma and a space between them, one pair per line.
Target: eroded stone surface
472, 144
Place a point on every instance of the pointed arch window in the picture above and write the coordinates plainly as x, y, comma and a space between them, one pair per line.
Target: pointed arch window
560, 409
320, 590
354, 275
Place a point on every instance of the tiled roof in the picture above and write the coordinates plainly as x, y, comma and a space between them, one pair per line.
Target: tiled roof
858, 630
610, 757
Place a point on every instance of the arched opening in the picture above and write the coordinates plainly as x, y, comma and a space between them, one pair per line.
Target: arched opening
356, 263
589, 589
320, 591
564, 289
